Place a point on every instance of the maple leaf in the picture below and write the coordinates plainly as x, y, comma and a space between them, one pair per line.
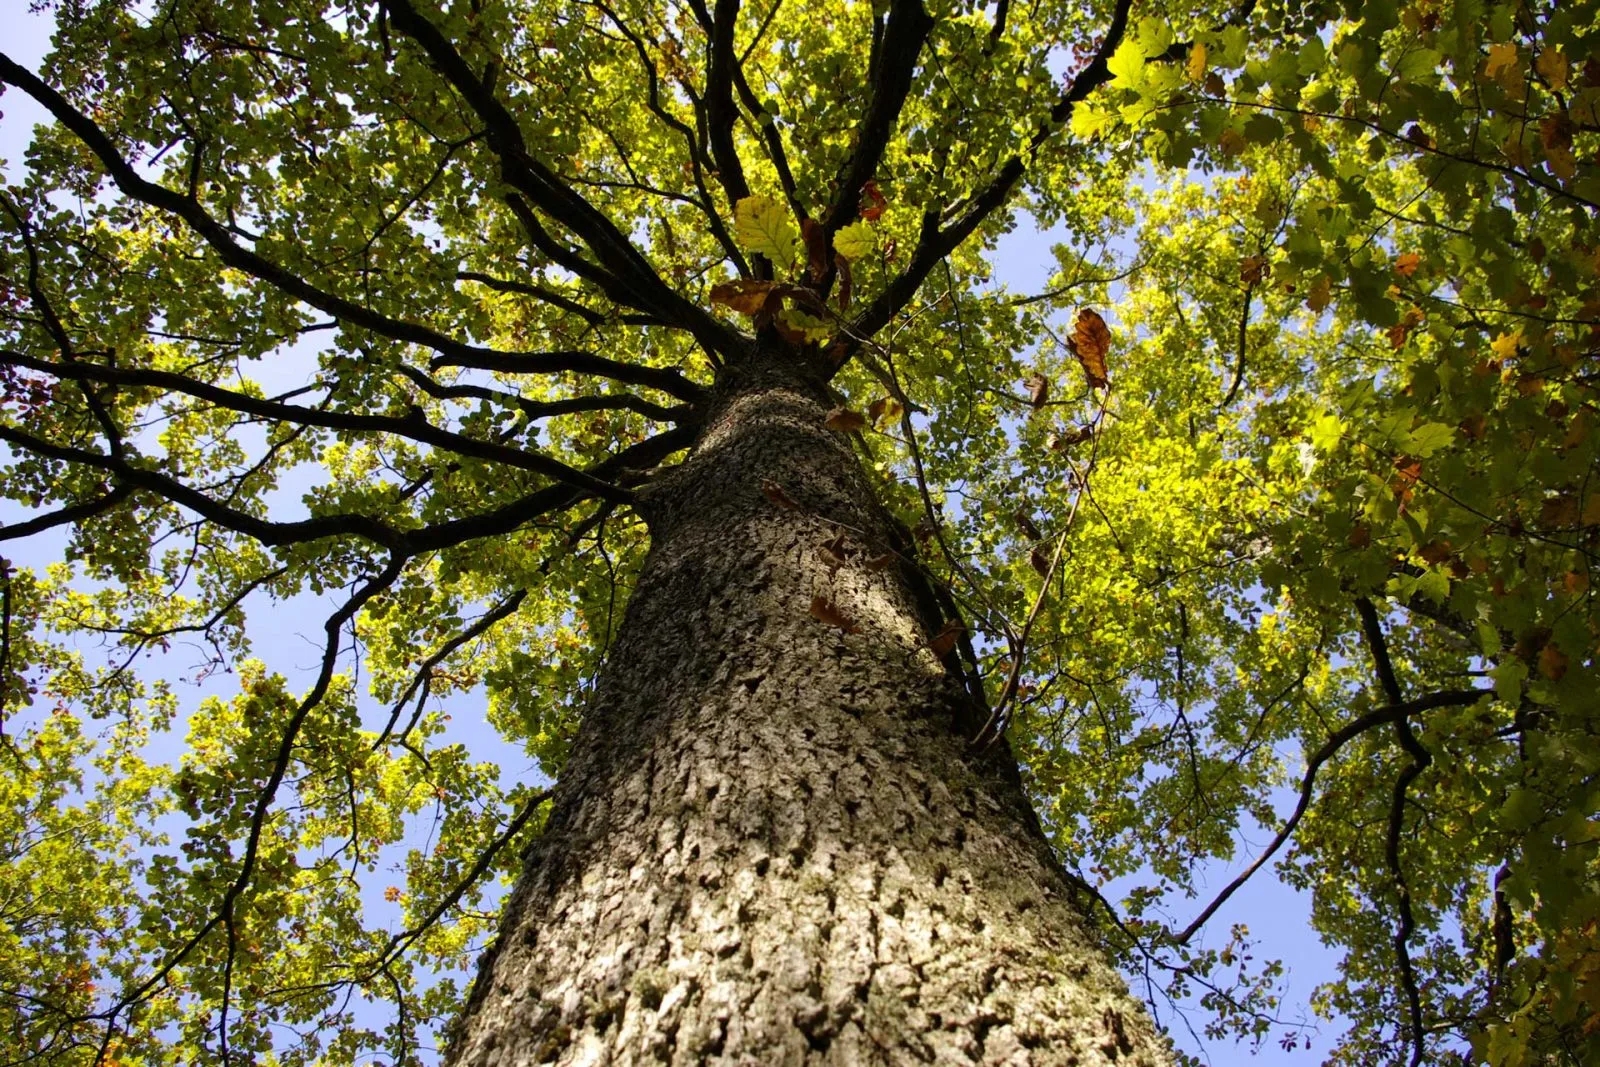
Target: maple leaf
1195, 69
825, 610
745, 296
1320, 294
1252, 269
1505, 346
1502, 56
1406, 264
1090, 342
762, 225
1553, 68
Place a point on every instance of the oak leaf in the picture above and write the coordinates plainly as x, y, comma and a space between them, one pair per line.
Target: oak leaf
774, 492
1038, 391
945, 640
854, 241
884, 409
873, 210
746, 296
1090, 342
762, 225
825, 610
843, 420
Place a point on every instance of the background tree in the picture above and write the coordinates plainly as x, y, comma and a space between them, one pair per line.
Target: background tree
1302, 540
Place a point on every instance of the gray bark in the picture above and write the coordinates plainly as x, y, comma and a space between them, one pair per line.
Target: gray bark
773, 844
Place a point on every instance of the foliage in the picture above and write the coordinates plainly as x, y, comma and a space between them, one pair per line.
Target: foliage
389, 308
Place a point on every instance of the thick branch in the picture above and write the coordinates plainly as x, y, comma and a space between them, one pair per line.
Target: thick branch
237, 256
904, 33
412, 428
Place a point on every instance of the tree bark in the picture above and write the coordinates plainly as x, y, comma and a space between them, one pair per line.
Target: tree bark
773, 843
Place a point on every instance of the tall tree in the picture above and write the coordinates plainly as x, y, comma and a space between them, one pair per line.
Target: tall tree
642, 367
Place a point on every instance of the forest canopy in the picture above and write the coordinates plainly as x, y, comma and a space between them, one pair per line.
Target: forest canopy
1270, 522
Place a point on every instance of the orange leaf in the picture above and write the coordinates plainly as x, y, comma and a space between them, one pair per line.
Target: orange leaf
885, 408
1552, 663
873, 211
746, 296
1406, 264
774, 492
1090, 341
843, 420
825, 610
945, 639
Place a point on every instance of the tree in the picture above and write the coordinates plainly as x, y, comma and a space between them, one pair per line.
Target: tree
946, 605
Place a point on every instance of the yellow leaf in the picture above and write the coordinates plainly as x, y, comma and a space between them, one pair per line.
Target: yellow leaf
1502, 57
1505, 346
1320, 294
744, 296
763, 226
854, 241
1552, 67
1196, 67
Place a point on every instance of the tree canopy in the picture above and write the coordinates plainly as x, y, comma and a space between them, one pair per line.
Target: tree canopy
1276, 508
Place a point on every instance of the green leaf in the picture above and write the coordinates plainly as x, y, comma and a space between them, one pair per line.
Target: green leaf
764, 227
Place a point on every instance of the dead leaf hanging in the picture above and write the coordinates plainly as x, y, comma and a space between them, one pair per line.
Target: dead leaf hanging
1090, 342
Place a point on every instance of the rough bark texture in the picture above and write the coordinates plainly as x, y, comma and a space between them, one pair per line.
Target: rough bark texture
772, 845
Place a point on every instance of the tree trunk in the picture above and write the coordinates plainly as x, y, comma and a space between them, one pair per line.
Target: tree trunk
773, 844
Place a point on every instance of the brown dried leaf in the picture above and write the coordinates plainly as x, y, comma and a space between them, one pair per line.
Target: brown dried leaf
816, 239
945, 639
1091, 341
878, 563
1252, 269
846, 283
1552, 662
746, 296
774, 492
1038, 391
825, 610
843, 420
1039, 560
873, 210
